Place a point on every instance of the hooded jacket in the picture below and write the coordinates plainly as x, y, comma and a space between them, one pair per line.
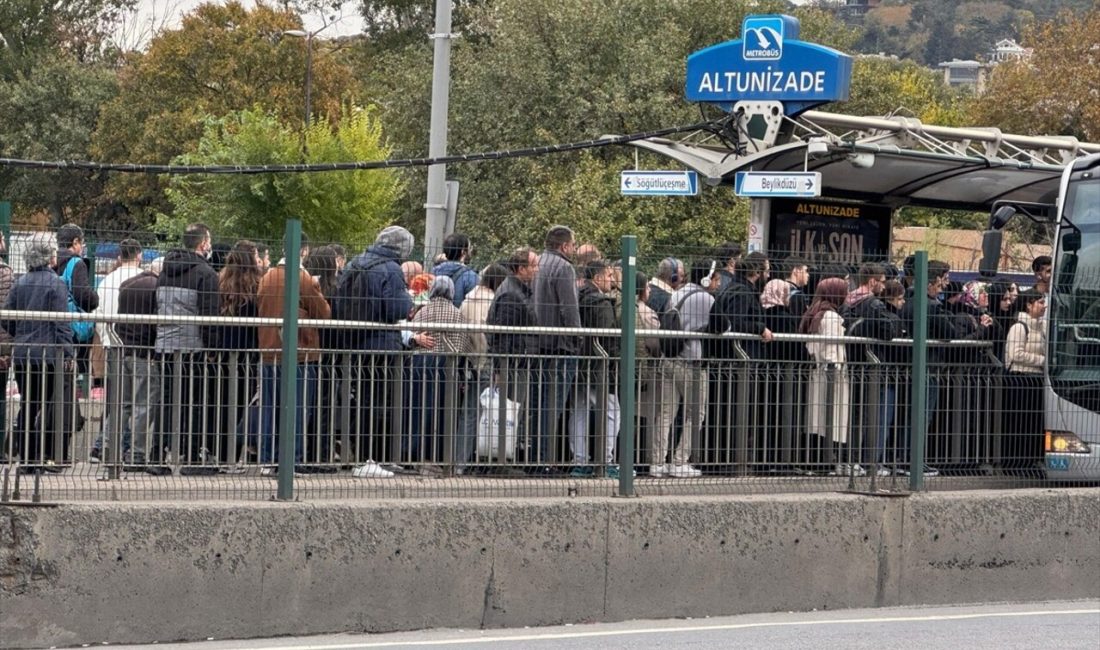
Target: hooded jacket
187, 286
464, 277
597, 311
372, 288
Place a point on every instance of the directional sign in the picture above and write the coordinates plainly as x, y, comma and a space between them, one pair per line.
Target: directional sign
659, 183
774, 184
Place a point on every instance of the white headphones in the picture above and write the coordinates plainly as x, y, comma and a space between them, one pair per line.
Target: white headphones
705, 283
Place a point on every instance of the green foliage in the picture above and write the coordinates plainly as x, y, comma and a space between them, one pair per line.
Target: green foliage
346, 206
223, 58
31, 30
47, 113
552, 71
882, 86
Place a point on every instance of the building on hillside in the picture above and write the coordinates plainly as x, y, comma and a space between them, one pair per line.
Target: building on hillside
1007, 49
855, 10
974, 74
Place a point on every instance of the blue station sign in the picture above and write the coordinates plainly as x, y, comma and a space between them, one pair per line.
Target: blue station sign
769, 63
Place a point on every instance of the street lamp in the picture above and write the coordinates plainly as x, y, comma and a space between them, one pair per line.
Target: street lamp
300, 33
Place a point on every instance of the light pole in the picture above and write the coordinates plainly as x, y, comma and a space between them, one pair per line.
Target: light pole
300, 33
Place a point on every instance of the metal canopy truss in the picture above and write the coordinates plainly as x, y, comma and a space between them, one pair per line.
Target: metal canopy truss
893, 160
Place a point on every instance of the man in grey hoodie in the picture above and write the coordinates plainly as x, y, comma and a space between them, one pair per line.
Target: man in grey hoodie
555, 293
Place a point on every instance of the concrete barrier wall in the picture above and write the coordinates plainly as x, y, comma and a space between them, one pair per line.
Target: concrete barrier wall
161, 572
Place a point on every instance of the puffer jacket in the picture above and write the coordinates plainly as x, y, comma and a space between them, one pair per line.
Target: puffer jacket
188, 286
1026, 346
40, 289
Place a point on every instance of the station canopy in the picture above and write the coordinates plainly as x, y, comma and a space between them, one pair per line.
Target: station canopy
896, 161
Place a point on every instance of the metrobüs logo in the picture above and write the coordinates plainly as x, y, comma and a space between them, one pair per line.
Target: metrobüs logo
762, 39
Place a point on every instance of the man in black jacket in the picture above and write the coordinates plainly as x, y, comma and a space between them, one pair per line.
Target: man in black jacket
513, 307
738, 308
140, 389
187, 286
70, 244
597, 311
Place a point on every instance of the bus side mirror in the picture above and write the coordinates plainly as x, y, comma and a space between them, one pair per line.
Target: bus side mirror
991, 253
1071, 241
1001, 217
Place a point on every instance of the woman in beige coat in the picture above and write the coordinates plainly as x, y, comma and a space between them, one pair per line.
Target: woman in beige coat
828, 398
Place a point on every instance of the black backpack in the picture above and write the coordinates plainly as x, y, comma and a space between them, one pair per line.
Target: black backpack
670, 320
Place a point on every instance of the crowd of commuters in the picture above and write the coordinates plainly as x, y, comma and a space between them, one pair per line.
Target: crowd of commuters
179, 384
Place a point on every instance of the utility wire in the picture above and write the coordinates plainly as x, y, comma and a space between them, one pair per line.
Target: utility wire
84, 165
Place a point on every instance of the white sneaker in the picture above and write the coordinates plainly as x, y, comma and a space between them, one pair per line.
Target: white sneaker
658, 471
858, 470
884, 472
371, 469
684, 471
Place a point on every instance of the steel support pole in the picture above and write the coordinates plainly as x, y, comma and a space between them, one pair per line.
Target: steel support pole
436, 205
288, 394
626, 367
919, 415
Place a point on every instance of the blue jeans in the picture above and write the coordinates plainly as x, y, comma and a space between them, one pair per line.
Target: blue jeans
425, 406
549, 397
306, 391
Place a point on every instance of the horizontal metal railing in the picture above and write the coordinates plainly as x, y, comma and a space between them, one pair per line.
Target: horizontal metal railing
391, 423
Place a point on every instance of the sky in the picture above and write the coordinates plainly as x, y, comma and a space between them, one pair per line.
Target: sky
153, 15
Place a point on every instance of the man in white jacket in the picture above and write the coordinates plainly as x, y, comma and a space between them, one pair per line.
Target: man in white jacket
129, 266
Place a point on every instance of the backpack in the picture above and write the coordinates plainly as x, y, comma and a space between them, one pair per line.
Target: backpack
349, 298
83, 331
670, 321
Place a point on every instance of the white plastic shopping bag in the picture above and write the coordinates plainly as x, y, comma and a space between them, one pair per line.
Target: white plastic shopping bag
488, 429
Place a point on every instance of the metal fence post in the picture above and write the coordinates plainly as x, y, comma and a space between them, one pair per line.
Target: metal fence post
288, 394
919, 416
626, 367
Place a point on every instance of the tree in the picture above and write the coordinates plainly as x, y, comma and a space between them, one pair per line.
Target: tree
1055, 91
54, 75
348, 207
31, 30
47, 114
552, 71
222, 59
882, 86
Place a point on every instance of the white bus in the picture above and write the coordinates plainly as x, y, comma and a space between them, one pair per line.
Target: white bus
1072, 377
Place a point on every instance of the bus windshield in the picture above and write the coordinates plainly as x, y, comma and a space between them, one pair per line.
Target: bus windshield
1075, 304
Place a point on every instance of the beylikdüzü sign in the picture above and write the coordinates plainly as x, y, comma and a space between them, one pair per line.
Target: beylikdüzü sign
769, 63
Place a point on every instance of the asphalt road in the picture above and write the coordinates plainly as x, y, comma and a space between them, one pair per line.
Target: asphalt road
1063, 625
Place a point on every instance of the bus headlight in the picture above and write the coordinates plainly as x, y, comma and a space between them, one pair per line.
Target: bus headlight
1065, 442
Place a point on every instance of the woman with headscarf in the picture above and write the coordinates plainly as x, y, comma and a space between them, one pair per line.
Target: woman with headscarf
429, 376
828, 398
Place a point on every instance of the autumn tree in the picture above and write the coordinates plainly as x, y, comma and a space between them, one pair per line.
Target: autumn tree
222, 58
1055, 91
346, 206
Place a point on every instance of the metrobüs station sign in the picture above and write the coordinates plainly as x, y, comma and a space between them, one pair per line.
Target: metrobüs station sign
769, 63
